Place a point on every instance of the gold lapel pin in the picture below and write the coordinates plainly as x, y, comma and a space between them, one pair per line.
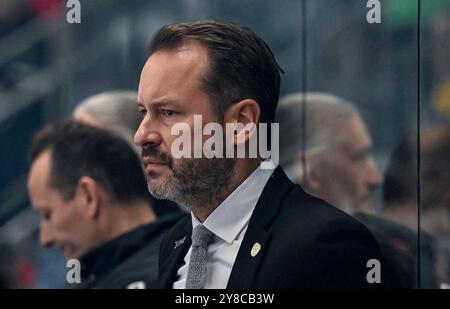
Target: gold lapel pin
255, 249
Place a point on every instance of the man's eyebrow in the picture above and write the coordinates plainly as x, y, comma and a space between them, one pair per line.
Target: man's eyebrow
159, 103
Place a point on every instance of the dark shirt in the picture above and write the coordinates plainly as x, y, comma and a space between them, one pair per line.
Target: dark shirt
127, 261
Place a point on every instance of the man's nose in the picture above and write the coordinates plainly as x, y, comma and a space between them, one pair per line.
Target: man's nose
147, 133
46, 237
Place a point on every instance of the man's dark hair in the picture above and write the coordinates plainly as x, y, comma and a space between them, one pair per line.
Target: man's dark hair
241, 65
79, 149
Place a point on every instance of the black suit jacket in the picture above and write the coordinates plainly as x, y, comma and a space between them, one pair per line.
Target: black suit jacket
305, 243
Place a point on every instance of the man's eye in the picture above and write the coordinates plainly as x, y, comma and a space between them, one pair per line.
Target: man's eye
168, 113
46, 215
362, 156
142, 112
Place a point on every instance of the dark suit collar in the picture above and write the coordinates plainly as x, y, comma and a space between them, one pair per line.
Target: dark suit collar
180, 242
257, 236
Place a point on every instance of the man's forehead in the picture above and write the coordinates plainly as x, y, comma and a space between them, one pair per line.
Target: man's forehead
187, 60
38, 181
168, 69
40, 169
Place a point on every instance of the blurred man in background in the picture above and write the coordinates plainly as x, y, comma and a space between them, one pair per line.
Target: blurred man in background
401, 199
328, 153
325, 147
401, 179
87, 186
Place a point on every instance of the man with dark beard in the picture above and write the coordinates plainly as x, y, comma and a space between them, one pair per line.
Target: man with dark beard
249, 227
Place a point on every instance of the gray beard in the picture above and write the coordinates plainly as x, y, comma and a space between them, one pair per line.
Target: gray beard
196, 183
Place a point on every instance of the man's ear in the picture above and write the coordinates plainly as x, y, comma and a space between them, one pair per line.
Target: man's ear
310, 175
245, 113
89, 196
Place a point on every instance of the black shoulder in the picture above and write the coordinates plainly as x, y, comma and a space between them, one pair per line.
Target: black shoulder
340, 249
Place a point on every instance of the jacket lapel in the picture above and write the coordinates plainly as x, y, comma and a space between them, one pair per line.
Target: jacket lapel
249, 258
257, 238
180, 245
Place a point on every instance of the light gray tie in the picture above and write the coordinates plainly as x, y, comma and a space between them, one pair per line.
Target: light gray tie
201, 237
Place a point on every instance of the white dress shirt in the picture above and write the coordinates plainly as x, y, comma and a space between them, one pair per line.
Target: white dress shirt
228, 222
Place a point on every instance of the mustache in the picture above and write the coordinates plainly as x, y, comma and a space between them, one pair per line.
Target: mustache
149, 151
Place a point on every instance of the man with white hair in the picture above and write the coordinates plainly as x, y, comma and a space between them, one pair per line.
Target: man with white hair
325, 147
114, 110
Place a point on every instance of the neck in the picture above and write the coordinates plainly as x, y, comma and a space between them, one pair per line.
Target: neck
241, 171
125, 218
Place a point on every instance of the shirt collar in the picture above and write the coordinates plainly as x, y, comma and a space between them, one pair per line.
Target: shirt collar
233, 214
